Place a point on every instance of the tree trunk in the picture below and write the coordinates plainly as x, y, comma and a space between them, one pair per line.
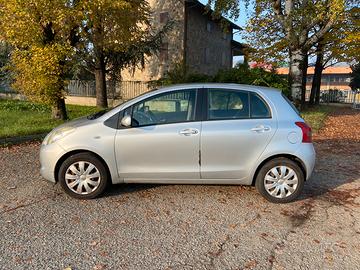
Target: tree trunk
304, 78
315, 87
297, 61
58, 111
317, 93
100, 81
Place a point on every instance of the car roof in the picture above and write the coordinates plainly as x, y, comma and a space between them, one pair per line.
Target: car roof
245, 87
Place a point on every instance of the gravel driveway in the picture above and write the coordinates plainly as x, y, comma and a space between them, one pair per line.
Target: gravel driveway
184, 226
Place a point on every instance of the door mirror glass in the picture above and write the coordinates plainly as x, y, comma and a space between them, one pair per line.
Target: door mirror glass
126, 121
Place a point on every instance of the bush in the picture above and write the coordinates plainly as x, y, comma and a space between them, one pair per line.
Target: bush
241, 74
180, 74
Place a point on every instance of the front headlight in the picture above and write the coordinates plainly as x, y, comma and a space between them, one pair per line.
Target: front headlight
57, 134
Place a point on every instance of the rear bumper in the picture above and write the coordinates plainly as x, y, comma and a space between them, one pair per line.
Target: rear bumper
306, 153
49, 156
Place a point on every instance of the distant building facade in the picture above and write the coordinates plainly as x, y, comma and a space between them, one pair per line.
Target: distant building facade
195, 40
333, 78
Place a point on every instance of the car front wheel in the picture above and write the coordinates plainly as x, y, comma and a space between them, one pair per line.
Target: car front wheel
83, 176
280, 180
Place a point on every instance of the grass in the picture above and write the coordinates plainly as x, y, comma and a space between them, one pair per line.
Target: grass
315, 116
19, 118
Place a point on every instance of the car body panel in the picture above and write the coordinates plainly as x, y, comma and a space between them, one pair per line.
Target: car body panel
158, 152
230, 148
230, 152
96, 138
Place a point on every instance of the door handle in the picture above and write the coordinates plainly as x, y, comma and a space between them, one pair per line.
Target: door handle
189, 131
260, 128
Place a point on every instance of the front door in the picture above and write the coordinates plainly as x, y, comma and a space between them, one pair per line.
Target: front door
163, 142
238, 127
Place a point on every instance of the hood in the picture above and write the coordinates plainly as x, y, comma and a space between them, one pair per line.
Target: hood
78, 122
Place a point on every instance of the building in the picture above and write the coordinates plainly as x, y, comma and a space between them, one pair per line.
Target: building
195, 40
333, 78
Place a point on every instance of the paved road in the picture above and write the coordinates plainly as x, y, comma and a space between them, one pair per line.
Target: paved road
183, 226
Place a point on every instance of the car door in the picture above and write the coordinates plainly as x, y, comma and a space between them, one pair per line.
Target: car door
163, 142
238, 127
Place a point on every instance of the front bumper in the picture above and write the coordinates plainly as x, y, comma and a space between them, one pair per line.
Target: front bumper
49, 156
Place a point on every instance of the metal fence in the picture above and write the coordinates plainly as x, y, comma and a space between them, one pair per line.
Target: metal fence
336, 96
118, 90
126, 90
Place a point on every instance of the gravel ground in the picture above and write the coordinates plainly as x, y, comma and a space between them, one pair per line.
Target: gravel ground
184, 226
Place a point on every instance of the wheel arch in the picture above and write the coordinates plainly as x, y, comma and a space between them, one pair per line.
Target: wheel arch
297, 160
78, 151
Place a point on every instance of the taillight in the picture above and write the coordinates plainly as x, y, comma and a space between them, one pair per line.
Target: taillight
306, 131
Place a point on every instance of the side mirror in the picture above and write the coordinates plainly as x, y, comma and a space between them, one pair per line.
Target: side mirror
126, 121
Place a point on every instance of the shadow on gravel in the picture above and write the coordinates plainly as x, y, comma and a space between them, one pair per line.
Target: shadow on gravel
119, 189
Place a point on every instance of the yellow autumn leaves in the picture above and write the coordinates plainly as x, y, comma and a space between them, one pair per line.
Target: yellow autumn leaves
45, 35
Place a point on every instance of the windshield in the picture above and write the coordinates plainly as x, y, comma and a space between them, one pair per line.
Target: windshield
98, 114
102, 112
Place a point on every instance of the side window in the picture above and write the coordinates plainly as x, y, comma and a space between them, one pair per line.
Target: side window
165, 108
259, 109
228, 104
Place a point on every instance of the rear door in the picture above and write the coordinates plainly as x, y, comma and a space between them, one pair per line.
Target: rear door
237, 128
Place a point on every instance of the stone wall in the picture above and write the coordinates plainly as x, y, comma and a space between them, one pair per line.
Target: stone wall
208, 47
155, 67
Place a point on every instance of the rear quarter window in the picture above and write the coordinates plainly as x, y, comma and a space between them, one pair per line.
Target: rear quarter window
259, 108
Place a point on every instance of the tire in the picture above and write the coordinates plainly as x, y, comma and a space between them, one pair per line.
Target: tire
292, 186
84, 170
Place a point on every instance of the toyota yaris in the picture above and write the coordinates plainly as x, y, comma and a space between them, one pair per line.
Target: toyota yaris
186, 134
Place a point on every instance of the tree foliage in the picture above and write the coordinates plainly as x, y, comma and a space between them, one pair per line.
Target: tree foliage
355, 78
39, 72
287, 29
41, 33
116, 35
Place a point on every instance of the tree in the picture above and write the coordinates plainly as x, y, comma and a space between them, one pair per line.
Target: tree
288, 26
355, 78
4, 61
338, 45
319, 67
42, 34
114, 34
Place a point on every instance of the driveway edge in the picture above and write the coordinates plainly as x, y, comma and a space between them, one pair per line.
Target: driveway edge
21, 139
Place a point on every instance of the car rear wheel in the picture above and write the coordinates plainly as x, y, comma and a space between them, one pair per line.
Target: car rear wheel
83, 176
280, 180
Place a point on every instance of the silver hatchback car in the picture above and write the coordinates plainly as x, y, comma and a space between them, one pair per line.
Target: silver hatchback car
186, 134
